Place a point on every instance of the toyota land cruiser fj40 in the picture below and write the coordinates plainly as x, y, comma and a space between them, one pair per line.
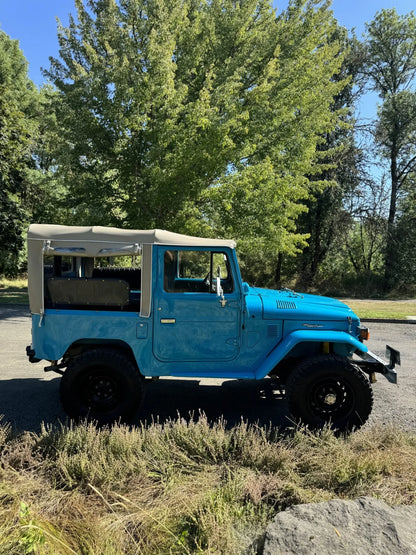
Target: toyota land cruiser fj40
111, 307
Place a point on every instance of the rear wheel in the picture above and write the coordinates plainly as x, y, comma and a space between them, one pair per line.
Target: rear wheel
329, 390
103, 385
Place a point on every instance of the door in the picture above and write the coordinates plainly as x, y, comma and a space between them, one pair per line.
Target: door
191, 322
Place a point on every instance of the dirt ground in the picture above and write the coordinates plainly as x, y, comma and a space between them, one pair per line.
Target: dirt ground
29, 396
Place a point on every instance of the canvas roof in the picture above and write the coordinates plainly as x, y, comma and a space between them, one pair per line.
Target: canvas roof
92, 241
115, 235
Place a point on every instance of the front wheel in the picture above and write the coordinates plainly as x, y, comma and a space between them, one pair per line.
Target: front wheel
329, 390
103, 385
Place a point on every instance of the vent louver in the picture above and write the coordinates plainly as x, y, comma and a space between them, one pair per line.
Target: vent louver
286, 305
272, 330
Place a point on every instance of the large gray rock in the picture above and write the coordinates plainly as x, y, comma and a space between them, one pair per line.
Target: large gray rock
365, 526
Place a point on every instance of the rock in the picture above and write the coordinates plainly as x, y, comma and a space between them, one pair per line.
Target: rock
365, 526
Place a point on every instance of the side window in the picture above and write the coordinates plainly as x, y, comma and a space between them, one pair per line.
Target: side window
170, 270
87, 283
194, 265
59, 266
187, 271
220, 265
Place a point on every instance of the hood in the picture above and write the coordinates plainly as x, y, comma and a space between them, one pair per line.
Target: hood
289, 305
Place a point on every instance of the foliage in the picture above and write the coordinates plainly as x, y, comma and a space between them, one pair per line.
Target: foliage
219, 118
405, 242
183, 486
29, 139
391, 66
262, 196
153, 96
32, 536
327, 220
16, 131
188, 114
362, 246
26, 193
354, 262
46, 193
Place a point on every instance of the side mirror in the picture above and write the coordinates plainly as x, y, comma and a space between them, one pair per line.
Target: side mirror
220, 292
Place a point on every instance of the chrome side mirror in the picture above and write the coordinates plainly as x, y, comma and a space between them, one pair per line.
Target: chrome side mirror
220, 292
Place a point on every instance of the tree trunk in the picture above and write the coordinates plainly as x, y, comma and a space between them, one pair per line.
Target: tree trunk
389, 268
278, 271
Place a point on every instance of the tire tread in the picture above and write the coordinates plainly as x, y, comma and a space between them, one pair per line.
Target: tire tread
303, 371
117, 360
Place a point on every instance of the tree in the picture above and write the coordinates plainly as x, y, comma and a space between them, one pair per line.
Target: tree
392, 69
46, 193
197, 115
17, 130
260, 202
406, 246
327, 218
154, 99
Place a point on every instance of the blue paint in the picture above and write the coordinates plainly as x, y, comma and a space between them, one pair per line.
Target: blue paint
192, 334
141, 330
305, 336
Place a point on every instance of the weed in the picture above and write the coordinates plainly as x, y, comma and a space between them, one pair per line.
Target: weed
31, 535
184, 486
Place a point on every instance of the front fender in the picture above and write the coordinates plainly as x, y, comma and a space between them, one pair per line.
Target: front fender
305, 336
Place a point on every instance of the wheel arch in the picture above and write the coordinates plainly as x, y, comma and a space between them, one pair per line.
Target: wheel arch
83, 345
306, 350
341, 343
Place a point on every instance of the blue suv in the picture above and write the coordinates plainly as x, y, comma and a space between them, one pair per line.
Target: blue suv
111, 307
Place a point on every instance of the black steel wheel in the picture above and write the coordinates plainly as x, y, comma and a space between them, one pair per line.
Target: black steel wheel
103, 385
329, 390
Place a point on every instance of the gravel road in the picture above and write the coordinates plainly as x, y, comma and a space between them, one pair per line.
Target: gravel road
29, 396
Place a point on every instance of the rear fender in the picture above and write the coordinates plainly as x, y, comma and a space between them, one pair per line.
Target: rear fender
79, 347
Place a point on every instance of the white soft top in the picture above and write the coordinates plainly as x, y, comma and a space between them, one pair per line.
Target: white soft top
93, 241
99, 234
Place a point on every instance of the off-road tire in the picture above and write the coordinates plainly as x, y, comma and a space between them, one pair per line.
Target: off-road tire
329, 390
102, 385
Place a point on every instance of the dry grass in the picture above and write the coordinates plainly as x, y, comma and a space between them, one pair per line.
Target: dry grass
16, 284
13, 291
183, 487
396, 310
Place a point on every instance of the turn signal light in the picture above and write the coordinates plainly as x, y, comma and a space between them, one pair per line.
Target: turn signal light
364, 333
